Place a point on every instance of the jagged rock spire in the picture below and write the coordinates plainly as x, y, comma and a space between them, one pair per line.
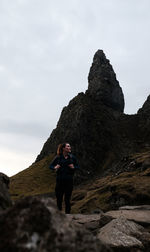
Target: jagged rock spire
145, 108
103, 84
88, 119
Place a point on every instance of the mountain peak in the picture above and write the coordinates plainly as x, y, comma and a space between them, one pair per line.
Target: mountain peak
103, 84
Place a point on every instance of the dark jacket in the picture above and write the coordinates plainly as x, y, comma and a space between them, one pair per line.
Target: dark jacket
64, 172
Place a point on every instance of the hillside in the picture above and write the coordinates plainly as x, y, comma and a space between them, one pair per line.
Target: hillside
37, 179
127, 185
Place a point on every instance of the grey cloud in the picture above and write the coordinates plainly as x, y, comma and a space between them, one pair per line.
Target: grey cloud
24, 128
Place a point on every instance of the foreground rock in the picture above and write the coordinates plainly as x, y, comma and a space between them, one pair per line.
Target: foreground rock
89, 221
5, 200
142, 207
34, 224
119, 229
141, 216
121, 234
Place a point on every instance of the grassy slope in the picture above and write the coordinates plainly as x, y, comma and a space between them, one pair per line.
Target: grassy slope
37, 179
131, 187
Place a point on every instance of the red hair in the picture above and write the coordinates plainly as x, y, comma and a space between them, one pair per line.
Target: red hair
60, 148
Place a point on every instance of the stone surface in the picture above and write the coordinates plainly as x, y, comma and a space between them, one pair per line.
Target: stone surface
89, 221
5, 200
137, 215
120, 234
104, 219
123, 234
34, 224
142, 207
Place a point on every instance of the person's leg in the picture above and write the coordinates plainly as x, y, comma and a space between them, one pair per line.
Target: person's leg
68, 193
59, 195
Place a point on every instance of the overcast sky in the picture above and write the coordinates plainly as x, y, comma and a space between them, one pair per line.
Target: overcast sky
46, 50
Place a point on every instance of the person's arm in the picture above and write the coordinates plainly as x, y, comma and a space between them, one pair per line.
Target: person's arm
55, 164
74, 165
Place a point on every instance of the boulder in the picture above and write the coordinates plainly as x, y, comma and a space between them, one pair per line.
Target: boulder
34, 224
5, 200
140, 216
89, 221
104, 219
142, 207
123, 235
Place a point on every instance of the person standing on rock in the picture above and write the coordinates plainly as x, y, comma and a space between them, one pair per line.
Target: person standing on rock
65, 165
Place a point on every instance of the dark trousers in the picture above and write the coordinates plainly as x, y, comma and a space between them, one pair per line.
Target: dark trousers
64, 188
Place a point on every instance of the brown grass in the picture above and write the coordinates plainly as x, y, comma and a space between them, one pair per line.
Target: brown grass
37, 179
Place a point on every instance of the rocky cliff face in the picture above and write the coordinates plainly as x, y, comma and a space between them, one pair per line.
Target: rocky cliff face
94, 123
5, 200
145, 110
144, 123
103, 85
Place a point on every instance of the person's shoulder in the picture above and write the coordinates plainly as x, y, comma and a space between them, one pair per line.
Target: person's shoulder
72, 156
59, 156
56, 157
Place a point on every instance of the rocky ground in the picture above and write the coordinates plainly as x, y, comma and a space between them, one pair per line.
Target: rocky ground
34, 224
126, 229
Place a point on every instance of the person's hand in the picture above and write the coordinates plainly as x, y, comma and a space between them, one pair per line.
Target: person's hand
57, 167
71, 166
